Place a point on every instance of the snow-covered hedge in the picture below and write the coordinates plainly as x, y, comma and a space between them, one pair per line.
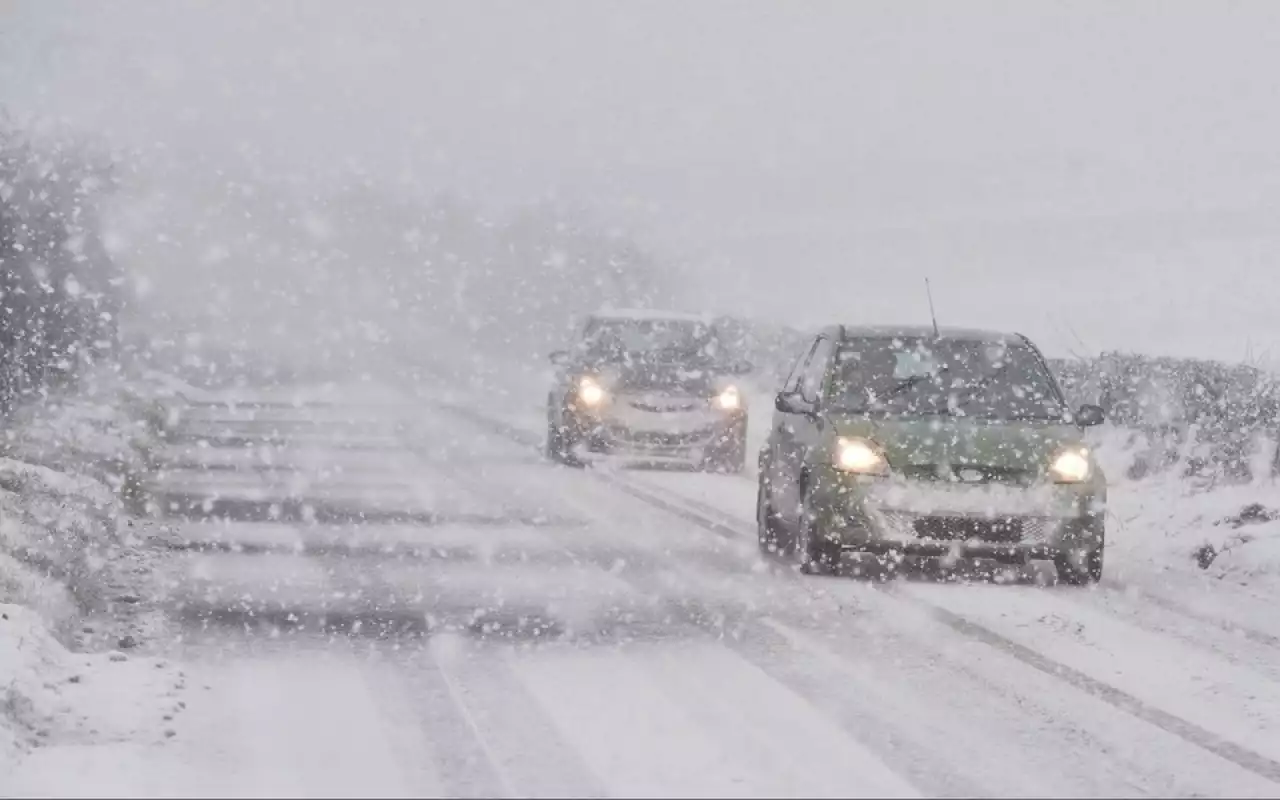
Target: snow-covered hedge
69, 467
1199, 417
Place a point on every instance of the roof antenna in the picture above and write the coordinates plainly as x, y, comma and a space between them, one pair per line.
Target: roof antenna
932, 315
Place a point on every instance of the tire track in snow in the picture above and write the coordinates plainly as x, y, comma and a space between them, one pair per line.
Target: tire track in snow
893, 719
1230, 751
420, 694
1190, 732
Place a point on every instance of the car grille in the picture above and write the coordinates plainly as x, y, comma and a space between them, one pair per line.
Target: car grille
998, 529
984, 474
666, 407
659, 438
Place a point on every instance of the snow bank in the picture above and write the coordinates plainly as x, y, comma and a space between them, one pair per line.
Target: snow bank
49, 695
1161, 520
1229, 532
75, 571
69, 465
103, 427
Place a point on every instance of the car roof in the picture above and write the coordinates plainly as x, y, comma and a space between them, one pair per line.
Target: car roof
650, 314
927, 331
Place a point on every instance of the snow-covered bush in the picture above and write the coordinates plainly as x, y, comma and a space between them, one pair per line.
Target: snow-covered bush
69, 466
1204, 418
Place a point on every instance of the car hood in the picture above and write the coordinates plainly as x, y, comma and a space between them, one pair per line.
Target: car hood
919, 441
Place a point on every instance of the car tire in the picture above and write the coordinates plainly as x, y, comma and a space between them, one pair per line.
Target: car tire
559, 447
818, 554
729, 458
1089, 572
770, 537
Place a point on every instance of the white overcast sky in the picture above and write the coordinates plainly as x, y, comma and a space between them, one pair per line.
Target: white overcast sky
1107, 168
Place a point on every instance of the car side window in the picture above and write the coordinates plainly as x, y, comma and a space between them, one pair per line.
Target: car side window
814, 373
797, 370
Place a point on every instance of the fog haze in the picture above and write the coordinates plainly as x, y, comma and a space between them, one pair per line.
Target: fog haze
1096, 175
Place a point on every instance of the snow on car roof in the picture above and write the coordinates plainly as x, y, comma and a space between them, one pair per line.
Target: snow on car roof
650, 314
913, 331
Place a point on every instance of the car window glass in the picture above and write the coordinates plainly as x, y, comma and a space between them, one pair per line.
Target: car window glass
914, 375
797, 371
652, 340
815, 371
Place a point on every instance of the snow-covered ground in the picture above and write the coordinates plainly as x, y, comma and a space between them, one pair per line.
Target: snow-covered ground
75, 573
54, 701
393, 594
456, 617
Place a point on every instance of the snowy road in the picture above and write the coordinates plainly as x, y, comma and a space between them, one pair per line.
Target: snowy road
384, 595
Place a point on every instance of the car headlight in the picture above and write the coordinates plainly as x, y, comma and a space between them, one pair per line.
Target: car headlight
1071, 466
859, 456
729, 400
590, 393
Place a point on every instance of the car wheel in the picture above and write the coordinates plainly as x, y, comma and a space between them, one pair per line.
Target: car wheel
1088, 568
730, 457
770, 537
818, 554
559, 442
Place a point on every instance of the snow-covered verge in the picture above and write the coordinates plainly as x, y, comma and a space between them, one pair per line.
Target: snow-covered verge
49, 695
1195, 528
75, 569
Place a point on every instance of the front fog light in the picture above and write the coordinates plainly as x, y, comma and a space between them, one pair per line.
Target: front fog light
590, 392
1071, 466
860, 456
729, 399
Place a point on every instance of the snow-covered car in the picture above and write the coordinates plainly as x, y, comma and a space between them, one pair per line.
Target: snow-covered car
910, 442
649, 385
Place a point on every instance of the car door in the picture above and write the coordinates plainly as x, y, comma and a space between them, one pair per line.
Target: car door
808, 430
798, 433
778, 474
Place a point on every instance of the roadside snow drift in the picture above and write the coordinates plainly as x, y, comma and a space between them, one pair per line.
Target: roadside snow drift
50, 696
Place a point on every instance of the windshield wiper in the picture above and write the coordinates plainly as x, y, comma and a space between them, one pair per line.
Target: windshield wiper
911, 381
972, 392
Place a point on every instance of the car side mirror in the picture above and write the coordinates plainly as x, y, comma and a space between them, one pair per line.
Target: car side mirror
559, 357
792, 403
1089, 415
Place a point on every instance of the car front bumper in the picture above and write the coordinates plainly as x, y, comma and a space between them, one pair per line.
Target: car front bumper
1004, 523
686, 436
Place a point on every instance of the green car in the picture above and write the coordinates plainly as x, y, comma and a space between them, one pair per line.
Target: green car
914, 441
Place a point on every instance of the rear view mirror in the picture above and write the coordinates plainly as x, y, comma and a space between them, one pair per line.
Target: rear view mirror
792, 403
1089, 415
559, 357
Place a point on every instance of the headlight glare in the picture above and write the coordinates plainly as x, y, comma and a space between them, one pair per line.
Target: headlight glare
590, 393
729, 399
859, 456
1071, 466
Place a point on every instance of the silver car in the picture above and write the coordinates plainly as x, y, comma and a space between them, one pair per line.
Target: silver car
653, 386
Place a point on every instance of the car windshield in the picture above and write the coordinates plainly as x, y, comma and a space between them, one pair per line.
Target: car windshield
922, 376
651, 340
